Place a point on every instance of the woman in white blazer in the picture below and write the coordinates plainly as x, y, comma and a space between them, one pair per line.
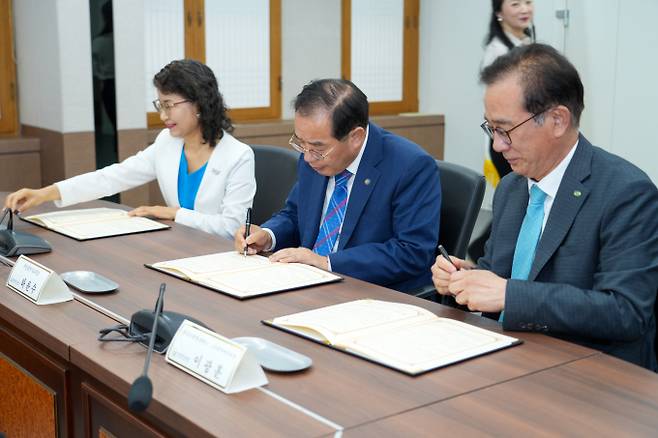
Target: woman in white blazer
206, 176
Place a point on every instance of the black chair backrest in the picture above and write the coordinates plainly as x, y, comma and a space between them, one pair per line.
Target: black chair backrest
655, 315
276, 173
462, 190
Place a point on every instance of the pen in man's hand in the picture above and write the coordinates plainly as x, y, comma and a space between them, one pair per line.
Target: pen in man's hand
446, 256
247, 225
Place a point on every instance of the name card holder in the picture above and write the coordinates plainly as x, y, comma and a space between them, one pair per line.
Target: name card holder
214, 359
37, 283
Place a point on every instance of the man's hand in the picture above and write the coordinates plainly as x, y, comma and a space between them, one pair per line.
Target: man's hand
442, 270
258, 240
155, 211
24, 199
480, 290
300, 255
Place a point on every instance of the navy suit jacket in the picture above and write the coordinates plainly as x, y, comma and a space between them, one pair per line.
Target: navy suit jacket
595, 273
391, 224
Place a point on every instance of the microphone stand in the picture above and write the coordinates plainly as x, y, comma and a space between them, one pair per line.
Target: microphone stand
141, 390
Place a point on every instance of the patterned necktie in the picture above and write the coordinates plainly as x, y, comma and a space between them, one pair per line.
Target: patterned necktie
333, 218
526, 243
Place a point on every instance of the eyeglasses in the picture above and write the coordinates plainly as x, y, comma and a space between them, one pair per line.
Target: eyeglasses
294, 142
502, 133
166, 106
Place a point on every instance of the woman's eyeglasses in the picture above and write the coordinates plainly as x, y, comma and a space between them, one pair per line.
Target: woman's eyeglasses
166, 106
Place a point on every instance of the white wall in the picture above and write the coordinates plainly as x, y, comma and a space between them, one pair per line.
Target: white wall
38, 64
590, 43
451, 36
74, 34
310, 45
636, 94
54, 85
129, 65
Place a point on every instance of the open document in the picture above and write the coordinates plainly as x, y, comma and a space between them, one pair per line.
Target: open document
242, 277
94, 223
401, 336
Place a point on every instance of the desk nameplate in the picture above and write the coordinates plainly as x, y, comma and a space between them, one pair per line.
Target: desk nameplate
37, 283
214, 359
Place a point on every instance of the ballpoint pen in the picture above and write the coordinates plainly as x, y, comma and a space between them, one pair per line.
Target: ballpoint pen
446, 256
247, 225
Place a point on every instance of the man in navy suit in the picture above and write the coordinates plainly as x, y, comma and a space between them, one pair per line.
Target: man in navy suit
366, 202
588, 273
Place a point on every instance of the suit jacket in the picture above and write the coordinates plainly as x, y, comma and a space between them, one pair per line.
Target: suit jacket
226, 190
595, 273
391, 224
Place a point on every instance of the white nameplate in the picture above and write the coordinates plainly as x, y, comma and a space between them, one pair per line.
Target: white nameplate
214, 359
37, 283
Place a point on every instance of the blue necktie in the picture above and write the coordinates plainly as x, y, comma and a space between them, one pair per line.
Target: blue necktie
526, 243
333, 218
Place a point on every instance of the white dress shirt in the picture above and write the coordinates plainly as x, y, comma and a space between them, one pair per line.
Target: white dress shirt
551, 183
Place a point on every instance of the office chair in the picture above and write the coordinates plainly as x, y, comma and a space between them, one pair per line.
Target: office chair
655, 340
462, 190
276, 173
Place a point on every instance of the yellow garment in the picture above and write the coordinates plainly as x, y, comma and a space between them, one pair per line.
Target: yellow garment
490, 172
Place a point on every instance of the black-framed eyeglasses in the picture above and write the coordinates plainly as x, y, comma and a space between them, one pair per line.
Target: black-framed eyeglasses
294, 142
166, 106
502, 133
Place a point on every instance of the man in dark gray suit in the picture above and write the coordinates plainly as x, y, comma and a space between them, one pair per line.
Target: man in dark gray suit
573, 250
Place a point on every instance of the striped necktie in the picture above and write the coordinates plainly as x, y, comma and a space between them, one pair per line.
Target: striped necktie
333, 218
526, 243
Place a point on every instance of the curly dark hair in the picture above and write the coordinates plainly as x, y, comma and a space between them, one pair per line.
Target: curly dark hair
196, 82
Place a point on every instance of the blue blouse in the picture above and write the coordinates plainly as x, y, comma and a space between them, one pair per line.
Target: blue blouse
188, 183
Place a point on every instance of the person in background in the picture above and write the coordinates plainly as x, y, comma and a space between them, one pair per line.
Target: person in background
206, 176
511, 25
366, 202
573, 251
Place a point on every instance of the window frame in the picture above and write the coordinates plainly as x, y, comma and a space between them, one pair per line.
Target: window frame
195, 48
409, 102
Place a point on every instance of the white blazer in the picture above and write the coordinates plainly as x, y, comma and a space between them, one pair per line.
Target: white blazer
226, 190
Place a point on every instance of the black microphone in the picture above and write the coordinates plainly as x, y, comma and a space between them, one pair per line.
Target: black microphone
141, 390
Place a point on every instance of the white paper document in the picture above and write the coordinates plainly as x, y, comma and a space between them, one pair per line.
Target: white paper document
234, 274
93, 223
402, 336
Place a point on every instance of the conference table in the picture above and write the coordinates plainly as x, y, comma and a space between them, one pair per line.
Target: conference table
59, 379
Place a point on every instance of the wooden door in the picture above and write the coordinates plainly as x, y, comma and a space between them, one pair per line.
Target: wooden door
8, 114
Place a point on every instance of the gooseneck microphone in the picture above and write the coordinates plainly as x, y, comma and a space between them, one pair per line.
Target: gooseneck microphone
141, 390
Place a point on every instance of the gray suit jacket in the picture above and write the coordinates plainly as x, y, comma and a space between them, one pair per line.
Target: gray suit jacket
595, 274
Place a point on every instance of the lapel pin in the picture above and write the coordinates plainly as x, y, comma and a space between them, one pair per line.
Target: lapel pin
367, 181
215, 171
577, 193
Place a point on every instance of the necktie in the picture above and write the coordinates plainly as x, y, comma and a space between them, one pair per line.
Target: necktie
526, 243
333, 218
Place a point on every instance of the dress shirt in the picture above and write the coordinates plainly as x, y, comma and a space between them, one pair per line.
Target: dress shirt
551, 183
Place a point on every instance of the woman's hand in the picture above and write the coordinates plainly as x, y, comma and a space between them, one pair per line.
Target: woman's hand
156, 211
24, 199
